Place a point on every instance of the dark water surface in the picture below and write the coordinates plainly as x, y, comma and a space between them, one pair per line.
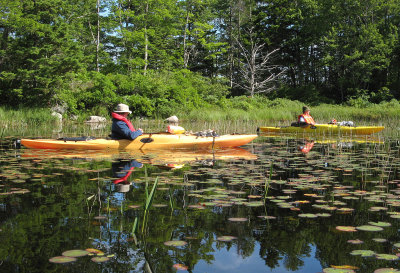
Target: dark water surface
279, 204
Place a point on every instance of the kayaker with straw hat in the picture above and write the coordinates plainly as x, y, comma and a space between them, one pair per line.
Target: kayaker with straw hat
305, 118
121, 127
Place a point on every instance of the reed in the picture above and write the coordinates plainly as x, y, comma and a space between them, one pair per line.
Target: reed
283, 112
149, 200
25, 117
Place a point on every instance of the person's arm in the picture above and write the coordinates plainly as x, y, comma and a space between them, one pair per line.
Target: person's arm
123, 130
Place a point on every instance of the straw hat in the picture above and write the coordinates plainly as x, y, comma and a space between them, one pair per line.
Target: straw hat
172, 119
122, 108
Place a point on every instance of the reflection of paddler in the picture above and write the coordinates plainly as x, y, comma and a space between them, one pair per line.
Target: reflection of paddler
306, 148
122, 170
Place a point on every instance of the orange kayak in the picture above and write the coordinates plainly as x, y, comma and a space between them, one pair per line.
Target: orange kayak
143, 142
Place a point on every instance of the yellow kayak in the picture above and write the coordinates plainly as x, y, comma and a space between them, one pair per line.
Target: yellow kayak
143, 142
324, 129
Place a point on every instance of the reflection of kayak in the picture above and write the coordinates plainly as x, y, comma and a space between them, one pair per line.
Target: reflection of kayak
143, 142
160, 157
325, 129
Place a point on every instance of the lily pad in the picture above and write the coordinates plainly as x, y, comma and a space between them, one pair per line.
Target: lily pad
307, 215
337, 270
266, 217
379, 240
355, 242
180, 267
62, 259
369, 228
346, 228
237, 219
175, 243
380, 224
226, 238
100, 259
75, 253
387, 257
363, 253
95, 251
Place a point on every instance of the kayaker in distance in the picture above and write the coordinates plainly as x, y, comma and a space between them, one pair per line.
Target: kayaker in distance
173, 126
121, 127
305, 118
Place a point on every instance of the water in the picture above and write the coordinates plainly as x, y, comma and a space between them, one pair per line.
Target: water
56, 201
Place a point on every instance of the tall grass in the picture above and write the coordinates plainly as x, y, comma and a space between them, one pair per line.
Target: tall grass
239, 114
25, 117
283, 112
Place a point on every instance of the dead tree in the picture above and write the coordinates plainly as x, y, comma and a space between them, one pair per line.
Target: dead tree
256, 70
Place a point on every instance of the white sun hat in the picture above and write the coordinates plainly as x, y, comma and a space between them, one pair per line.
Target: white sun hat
172, 119
122, 108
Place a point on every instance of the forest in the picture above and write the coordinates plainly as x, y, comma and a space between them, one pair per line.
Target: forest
162, 55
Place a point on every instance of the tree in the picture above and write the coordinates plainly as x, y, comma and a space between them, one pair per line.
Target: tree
258, 73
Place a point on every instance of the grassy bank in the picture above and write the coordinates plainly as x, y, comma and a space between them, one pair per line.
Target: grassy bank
285, 111
25, 117
259, 110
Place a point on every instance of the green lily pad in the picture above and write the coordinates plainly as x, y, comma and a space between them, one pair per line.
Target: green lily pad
307, 215
175, 243
75, 253
226, 238
62, 259
101, 259
323, 214
379, 240
255, 204
355, 242
363, 253
380, 224
369, 228
196, 207
387, 257
266, 217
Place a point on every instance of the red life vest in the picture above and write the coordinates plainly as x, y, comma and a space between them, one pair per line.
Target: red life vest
309, 119
124, 119
307, 147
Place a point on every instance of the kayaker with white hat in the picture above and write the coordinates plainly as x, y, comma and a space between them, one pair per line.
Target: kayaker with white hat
121, 127
173, 127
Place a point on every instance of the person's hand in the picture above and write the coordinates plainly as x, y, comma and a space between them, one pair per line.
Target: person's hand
140, 129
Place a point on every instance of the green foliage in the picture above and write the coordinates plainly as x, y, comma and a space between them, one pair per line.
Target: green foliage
164, 56
140, 106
